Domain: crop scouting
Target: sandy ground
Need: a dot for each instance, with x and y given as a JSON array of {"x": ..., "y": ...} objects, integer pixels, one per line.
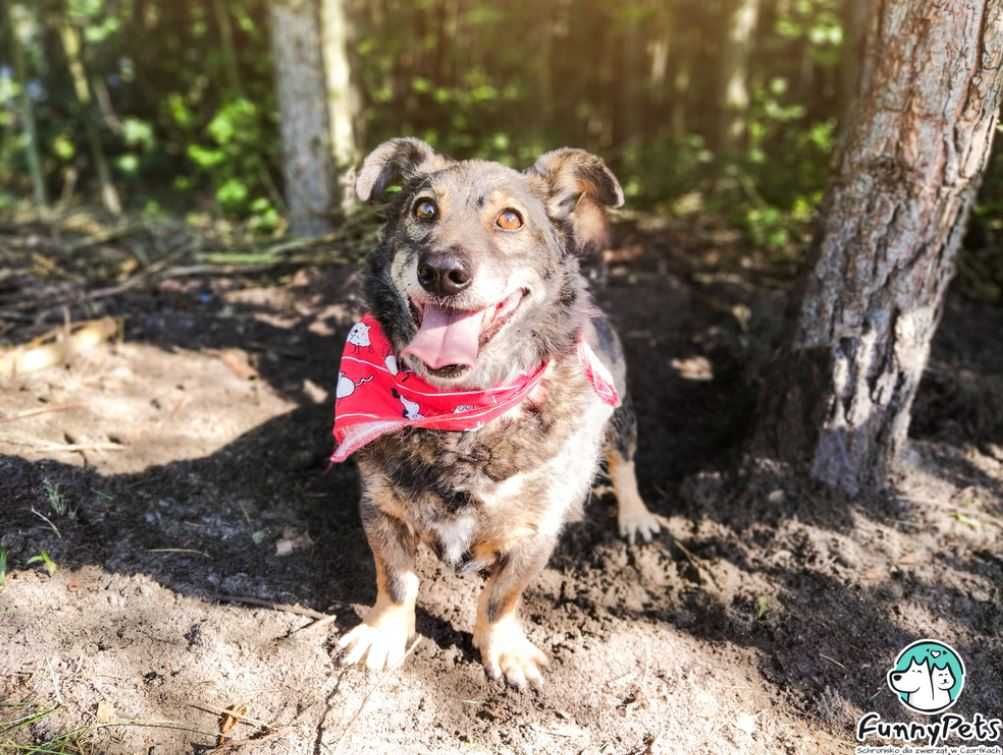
[{"x": 174, "y": 475}]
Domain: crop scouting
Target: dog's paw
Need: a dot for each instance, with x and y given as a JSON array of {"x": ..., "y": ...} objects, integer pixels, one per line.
[
  {"x": 637, "y": 521},
  {"x": 507, "y": 653},
  {"x": 382, "y": 640}
]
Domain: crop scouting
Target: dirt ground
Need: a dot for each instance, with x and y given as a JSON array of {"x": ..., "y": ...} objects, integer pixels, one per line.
[{"x": 180, "y": 475}]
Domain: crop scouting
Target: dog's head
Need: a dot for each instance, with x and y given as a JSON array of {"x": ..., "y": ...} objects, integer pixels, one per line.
[
  {"x": 477, "y": 274},
  {"x": 911, "y": 679}
]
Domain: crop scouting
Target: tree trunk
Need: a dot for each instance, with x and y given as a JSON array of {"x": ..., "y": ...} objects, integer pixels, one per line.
[
  {"x": 73, "y": 48},
  {"x": 18, "y": 19},
  {"x": 735, "y": 55},
  {"x": 342, "y": 97},
  {"x": 307, "y": 162},
  {"x": 229, "y": 47},
  {"x": 839, "y": 397}
]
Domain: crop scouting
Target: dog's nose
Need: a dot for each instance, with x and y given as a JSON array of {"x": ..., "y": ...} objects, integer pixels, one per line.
[
  {"x": 444, "y": 273},
  {"x": 896, "y": 677}
]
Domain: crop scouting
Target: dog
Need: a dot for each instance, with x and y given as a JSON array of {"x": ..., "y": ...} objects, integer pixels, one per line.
[{"x": 477, "y": 284}]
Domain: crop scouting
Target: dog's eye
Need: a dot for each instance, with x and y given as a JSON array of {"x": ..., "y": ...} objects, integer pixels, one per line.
[
  {"x": 509, "y": 220},
  {"x": 426, "y": 210}
]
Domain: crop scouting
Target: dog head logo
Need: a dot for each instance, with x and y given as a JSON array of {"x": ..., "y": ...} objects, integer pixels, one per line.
[
  {"x": 927, "y": 677},
  {"x": 358, "y": 336}
]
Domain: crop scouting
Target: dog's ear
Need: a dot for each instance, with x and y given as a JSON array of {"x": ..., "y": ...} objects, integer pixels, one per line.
[
  {"x": 402, "y": 158},
  {"x": 578, "y": 188}
]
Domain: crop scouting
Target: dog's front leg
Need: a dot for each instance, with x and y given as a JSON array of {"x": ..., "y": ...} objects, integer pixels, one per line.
[
  {"x": 382, "y": 639},
  {"x": 498, "y": 634}
]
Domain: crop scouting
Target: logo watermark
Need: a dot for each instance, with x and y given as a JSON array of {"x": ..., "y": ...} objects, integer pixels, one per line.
[{"x": 928, "y": 677}]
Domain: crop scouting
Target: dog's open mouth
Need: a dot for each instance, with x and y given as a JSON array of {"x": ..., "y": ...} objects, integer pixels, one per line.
[{"x": 449, "y": 340}]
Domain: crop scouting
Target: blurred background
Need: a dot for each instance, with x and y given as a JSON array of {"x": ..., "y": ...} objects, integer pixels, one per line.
[{"x": 728, "y": 110}]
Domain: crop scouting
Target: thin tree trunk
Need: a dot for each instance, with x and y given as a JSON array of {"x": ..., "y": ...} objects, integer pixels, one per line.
[
  {"x": 229, "y": 48},
  {"x": 342, "y": 97},
  {"x": 17, "y": 19},
  {"x": 306, "y": 143},
  {"x": 81, "y": 85},
  {"x": 735, "y": 57},
  {"x": 840, "y": 395},
  {"x": 681, "y": 91}
]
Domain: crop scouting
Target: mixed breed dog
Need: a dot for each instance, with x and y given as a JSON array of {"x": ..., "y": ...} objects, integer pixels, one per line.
[{"x": 483, "y": 388}]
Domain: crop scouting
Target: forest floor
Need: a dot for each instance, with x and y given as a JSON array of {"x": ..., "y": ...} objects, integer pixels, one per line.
[{"x": 177, "y": 480}]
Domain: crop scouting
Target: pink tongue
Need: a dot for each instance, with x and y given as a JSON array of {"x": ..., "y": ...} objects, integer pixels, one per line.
[{"x": 446, "y": 336}]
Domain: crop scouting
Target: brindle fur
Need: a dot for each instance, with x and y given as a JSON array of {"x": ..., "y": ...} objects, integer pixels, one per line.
[{"x": 494, "y": 499}]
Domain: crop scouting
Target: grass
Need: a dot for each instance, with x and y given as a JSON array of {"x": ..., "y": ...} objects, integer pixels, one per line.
[
  {"x": 46, "y": 561},
  {"x": 70, "y": 743},
  {"x": 55, "y": 498},
  {"x": 3, "y": 567}
]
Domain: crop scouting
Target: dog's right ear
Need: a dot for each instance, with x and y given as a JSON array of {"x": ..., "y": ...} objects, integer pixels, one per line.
[{"x": 402, "y": 158}]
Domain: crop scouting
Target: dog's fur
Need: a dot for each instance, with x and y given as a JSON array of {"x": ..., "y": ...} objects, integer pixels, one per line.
[{"x": 492, "y": 500}]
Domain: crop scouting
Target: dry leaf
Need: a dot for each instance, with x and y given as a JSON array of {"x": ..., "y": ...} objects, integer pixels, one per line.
[
  {"x": 230, "y": 718},
  {"x": 105, "y": 712}
]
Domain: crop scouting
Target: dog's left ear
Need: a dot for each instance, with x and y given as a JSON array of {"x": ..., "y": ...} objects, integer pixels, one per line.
[{"x": 578, "y": 188}]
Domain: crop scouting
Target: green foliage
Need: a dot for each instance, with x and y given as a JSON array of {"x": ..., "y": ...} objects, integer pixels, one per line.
[{"x": 188, "y": 121}]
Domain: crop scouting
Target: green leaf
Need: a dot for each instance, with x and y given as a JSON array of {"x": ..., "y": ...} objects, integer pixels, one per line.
[
  {"x": 128, "y": 163},
  {"x": 232, "y": 194},
  {"x": 205, "y": 158},
  {"x": 63, "y": 148},
  {"x": 136, "y": 132}
]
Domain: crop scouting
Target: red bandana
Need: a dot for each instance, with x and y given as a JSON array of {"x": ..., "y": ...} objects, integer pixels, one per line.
[{"x": 375, "y": 398}]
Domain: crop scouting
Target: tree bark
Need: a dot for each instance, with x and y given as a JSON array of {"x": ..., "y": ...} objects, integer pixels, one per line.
[
  {"x": 342, "y": 98},
  {"x": 838, "y": 398},
  {"x": 307, "y": 160}
]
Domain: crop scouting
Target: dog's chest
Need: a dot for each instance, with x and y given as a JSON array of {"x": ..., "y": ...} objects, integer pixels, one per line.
[{"x": 516, "y": 475}]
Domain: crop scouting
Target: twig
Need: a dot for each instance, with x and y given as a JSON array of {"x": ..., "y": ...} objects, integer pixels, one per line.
[
  {"x": 690, "y": 556},
  {"x": 190, "y": 551},
  {"x": 55, "y": 682},
  {"x": 48, "y": 521},
  {"x": 379, "y": 683},
  {"x": 234, "y": 744},
  {"x": 833, "y": 660},
  {"x": 246, "y": 720},
  {"x": 44, "y": 410},
  {"x": 64, "y": 447},
  {"x": 320, "y": 623},
  {"x": 158, "y": 725},
  {"x": 285, "y": 607}
]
